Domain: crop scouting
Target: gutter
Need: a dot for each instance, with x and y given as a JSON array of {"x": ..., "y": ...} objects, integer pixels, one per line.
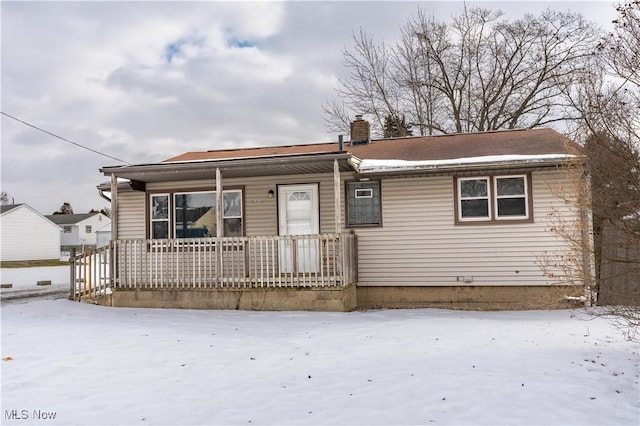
[
  {"x": 101, "y": 194},
  {"x": 441, "y": 168},
  {"x": 222, "y": 164}
]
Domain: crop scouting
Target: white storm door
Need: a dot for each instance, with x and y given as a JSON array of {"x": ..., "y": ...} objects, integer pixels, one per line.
[{"x": 299, "y": 214}]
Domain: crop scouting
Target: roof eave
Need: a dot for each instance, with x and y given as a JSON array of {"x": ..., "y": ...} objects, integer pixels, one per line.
[
  {"x": 470, "y": 167},
  {"x": 174, "y": 170}
]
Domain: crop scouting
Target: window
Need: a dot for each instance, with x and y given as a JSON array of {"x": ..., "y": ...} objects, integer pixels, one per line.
[
  {"x": 511, "y": 197},
  {"x": 159, "y": 216},
  {"x": 87, "y": 229},
  {"x": 474, "y": 198},
  {"x": 67, "y": 229},
  {"x": 497, "y": 198},
  {"x": 193, "y": 214},
  {"x": 363, "y": 207}
]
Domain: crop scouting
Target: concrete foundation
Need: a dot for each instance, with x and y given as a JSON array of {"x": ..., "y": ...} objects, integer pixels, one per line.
[
  {"x": 337, "y": 299},
  {"x": 345, "y": 299},
  {"x": 481, "y": 298}
]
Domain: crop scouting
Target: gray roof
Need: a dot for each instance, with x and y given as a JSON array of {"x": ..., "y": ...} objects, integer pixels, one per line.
[
  {"x": 69, "y": 219},
  {"x": 8, "y": 207}
]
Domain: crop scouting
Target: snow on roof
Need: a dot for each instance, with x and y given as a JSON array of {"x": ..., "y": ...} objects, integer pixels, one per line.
[{"x": 371, "y": 166}]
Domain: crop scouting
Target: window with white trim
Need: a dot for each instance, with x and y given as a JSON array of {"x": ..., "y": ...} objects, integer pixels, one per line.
[
  {"x": 496, "y": 198},
  {"x": 511, "y": 197},
  {"x": 363, "y": 203},
  {"x": 473, "y": 198},
  {"x": 193, "y": 214}
]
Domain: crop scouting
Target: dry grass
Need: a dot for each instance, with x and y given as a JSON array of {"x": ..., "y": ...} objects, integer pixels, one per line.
[{"x": 32, "y": 263}]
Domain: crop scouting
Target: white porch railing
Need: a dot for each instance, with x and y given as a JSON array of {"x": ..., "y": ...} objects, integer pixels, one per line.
[
  {"x": 90, "y": 274},
  {"x": 230, "y": 262}
]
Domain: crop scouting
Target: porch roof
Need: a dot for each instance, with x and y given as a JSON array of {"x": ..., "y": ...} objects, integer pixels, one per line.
[{"x": 319, "y": 162}]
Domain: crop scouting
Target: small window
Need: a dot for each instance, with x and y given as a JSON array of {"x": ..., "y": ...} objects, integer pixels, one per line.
[
  {"x": 67, "y": 229},
  {"x": 364, "y": 193},
  {"x": 363, "y": 206},
  {"x": 87, "y": 229}
]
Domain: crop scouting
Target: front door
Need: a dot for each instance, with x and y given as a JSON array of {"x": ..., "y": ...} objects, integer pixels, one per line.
[{"x": 299, "y": 214}]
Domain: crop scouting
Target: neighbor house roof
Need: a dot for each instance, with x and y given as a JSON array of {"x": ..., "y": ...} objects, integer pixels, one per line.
[
  {"x": 11, "y": 207},
  {"x": 69, "y": 219},
  {"x": 497, "y": 149},
  {"x": 8, "y": 207}
]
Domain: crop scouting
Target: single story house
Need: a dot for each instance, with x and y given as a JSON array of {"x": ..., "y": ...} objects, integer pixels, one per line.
[
  {"x": 27, "y": 235},
  {"x": 456, "y": 221},
  {"x": 79, "y": 230}
]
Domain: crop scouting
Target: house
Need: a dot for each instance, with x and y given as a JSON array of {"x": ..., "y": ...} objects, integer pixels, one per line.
[
  {"x": 79, "y": 230},
  {"x": 25, "y": 234},
  {"x": 457, "y": 221},
  {"x": 103, "y": 236}
]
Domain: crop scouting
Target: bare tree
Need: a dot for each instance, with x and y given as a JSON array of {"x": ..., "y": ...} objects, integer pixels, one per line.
[
  {"x": 64, "y": 209},
  {"x": 608, "y": 102},
  {"x": 478, "y": 72},
  {"x": 5, "y": 198}
]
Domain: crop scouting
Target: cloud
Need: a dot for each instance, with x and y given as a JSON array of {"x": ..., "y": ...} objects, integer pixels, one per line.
[{"x": 145, "y": 81}]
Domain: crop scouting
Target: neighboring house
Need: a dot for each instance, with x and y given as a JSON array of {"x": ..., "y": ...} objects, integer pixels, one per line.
[
  {"x": 103, "y": 236},
  {"x": 79, "y": 230},
  {"x": 27, "y": 235},
  {"x": 461, "y": 221}
]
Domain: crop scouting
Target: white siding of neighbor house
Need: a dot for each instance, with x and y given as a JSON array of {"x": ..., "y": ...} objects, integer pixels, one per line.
[
  {"x": 79, "y": 235},
  {"x": 27, "y": 235},
  {"x": 418, "y": 244}
]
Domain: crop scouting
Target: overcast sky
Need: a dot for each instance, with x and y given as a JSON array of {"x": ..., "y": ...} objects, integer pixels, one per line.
[{"x": 145, "y": 81}]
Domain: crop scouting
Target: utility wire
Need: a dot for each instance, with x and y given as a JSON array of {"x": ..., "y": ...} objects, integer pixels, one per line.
[{"x": 64, "y": 139}]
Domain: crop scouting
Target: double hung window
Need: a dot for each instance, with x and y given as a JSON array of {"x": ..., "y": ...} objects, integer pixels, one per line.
[{"x": 496, "y": 198}]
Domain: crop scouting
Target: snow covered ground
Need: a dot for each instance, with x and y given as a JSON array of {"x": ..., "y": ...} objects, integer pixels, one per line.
[
  {"x": 76, "y": 363},
  {"x": 25, "y": 282}
]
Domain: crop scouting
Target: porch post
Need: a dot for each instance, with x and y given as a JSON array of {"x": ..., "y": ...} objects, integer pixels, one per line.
[
  {"x": 114, "y": 207},
  {"x": 339, "y": 253},
  {"x": 337, "y": 199},
  {"x": 113, "y": 268},
  {"x": 219, "y": 205},
  {"x": 219, "y": 225}
]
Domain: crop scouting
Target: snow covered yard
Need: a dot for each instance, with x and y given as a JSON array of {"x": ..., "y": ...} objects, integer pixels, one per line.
[
  {"x": 83, "y": 364},
  {"x": 24, "y": 281}
]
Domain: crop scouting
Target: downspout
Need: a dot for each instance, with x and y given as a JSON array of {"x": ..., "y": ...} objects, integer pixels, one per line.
[{"x": 101, "y": 194}]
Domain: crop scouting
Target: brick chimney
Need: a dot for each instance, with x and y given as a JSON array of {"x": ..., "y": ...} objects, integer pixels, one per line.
[{"x": 360, "y": 131}]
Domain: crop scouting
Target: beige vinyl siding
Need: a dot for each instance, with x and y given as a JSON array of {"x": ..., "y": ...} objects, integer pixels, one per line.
[
  {"x": 131, "y": 215},
  {"x": 420, "y": 244},
  {"x": 260, "y": 211}
]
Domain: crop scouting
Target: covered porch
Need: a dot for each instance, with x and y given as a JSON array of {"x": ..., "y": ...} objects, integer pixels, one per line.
[{"x": 179, "y": 271}]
